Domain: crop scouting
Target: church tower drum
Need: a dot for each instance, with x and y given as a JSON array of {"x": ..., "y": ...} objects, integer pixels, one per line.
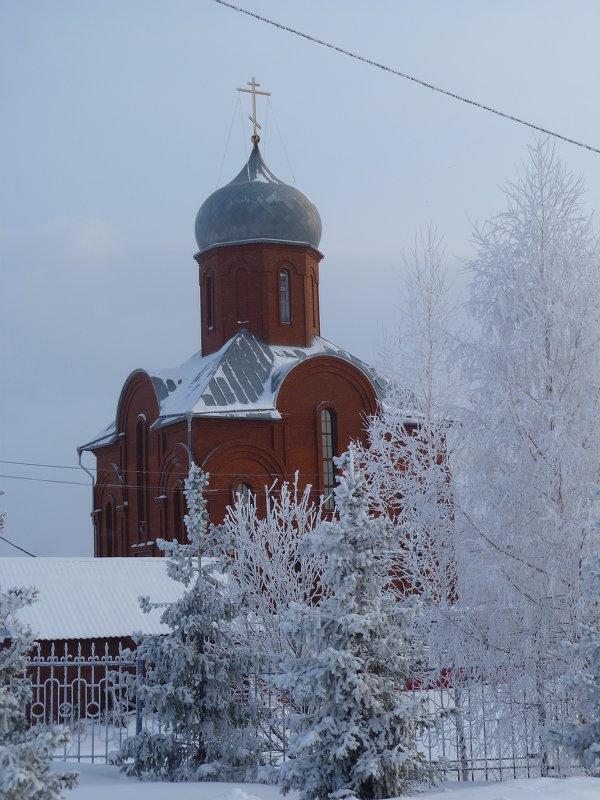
[{"x": 258, "y": 260}]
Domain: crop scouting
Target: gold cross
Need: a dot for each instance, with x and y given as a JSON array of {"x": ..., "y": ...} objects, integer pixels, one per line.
[{"x": 253, "y": 91}]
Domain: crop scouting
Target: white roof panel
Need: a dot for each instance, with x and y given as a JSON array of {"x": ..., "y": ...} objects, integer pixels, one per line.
[{"x": 80, "y": 598}]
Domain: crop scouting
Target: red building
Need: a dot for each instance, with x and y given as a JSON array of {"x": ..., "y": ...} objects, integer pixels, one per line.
[{"x": 265, "y": 397}]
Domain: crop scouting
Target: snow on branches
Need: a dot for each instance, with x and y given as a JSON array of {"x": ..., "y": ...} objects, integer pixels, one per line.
[
  {"x": 530, "y": 440},
  {"x": 272, "y": 568},
  {"x": 25, "y": 752},
  {"x": 582, "y": 738},
  {"x": 195, "y": 675},
  {"x": 353, "y": 730}
]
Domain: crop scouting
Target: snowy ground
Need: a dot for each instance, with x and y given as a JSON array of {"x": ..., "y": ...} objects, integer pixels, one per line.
[{"x": 99, "y": 782}]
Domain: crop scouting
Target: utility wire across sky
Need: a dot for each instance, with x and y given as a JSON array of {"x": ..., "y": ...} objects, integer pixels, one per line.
[{"x": 407, "y": 77}]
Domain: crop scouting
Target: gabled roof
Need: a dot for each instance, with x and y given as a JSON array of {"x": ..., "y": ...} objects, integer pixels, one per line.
[
  {"x": 84, "y": 598},
  {"x": 240, "y": 380}
]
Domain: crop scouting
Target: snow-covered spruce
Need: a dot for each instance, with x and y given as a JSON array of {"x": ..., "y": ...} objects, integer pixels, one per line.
[
  {"x": 25, "y": 752},
  {"x": 582, "y": 739},
  {"x": 271, "y": 568},
  {"x": 353, "y": 732},
  {"x": 194, "y": 676},
  {"x": 526, "y": 488}
]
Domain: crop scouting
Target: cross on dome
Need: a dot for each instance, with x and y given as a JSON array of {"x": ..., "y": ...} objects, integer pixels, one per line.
[{"x": 254, "y": 91}]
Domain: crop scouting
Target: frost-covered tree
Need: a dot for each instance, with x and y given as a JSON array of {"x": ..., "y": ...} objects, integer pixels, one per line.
[
  {"x": 353, "y": 733},
  {"x": 271, "y": 567},
  {"x": 194, "y": 676},
  {"x": 582, "y": 738},
  {"x": 416, "y": 354},
  {"x": 25, "y": 752},
  {"x": 407, "y": 466},
  {"x": 409, "y": 439},
  {"x": 531, "y": 438}
]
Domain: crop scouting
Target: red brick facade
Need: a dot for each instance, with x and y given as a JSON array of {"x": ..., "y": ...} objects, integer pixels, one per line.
[
  {"x": 263, "y": 296},
  {"x": 134, "y": 506},
  {"x": 242, "y": 283}
]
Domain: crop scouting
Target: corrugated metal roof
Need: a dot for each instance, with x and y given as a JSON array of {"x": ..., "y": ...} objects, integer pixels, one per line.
[
  {"x": 81, "y": 598},
  {"x": 241, "y": 379}
]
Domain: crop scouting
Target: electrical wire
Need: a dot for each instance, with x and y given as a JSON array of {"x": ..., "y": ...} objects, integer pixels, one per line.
[
  {"x": 45, "y": 480},
  {"x": 135, "y": 486},
  {"x": 34, "y": 464},
  {"x": 408, "y": 77},
  {"x": 12, "y": 544}
]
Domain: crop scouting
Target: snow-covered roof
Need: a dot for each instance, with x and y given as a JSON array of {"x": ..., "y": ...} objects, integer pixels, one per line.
[
  {"x": 241, "y": 379},
  {"x": 80, "y": 598}
]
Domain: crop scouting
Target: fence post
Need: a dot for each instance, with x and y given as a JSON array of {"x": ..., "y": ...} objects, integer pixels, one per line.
[{"x": 138, "y": 698}]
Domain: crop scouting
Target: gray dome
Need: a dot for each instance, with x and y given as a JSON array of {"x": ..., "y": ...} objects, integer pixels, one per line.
[{"x": 257, "y": 206}]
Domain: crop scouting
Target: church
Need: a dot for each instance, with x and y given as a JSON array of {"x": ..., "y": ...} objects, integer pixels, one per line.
[{"x": 265, "y": 397}]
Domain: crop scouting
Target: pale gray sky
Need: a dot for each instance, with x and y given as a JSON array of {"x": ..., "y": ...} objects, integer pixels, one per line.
[{"x": 115, "y": 120}]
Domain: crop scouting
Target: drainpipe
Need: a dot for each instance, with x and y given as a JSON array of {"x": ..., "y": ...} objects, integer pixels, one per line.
[
  {"x": 94, "y": 523},
  {"x": 190, "y": 454}
]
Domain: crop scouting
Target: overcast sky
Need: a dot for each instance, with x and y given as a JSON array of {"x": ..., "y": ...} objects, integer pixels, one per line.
[{"x": 115, "y": 126}]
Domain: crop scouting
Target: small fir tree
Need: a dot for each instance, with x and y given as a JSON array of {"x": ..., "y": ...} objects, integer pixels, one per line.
[
  {"x": 353, "y": 731},
  {"x": 25, "y": 752},
  {"x": 582, "y": 738},
  {"x": 195, "y": 675}
]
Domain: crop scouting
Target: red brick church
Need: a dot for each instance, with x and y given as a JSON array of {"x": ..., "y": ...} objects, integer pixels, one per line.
[{"x": 265, "y": 397}]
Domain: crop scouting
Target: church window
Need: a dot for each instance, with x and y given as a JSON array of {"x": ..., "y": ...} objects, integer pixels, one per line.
[
  {"x": 140, "y": 460},
  {"x": 241, "y": 285},
  {"x": 179, "y": 532},
  {"x": 284, "y": 296},
  {"x": 328, "y": 451},
  {"x": 210, "y": 303},
  {"x": 109, "y": 529},
  {"x": 244, "y": 492}
]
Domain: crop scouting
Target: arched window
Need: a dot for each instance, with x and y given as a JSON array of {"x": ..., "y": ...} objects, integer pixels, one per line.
[
  {"x": 284, "y": 296},
  {"x": 244, "y": 491},
  {"x": 241, "y": 293},
  {"x": 140, "y": 477},
  {"x": 109, "y": 529},
  {"x": 179, "y": 531},
  {"x": 210, "y": 303},
  {"x": 328, "y": 451}
]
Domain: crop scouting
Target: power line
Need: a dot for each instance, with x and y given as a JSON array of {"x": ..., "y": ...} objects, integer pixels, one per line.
[
  {"x": 135, "y": 486},
  {"x": 12, "y": 544},
  {"x": 406, "y": 76},
  {"x": 45, "y": 480},
  {"x": 34, "y": 464}
]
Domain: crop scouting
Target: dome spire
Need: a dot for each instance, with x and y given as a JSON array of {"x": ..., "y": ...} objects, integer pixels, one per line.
[{"x": 255, "y": 138}]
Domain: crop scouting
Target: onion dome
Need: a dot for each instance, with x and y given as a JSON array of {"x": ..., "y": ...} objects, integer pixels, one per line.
[{"x": 256, "y": 206}]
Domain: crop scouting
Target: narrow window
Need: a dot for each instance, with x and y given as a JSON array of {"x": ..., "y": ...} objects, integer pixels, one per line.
[
  {"x": 284, "y": 296},
  {"x": 109, "y": 529},
  {"x": 178, "y": 514},
  {"x": 210, "y": 303},
  {"x": 244, "y": 492},
  {"x": 241, "y": 283},
  {"x": 140, "y": 458},
  {"x": 328, "y": 452}
]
